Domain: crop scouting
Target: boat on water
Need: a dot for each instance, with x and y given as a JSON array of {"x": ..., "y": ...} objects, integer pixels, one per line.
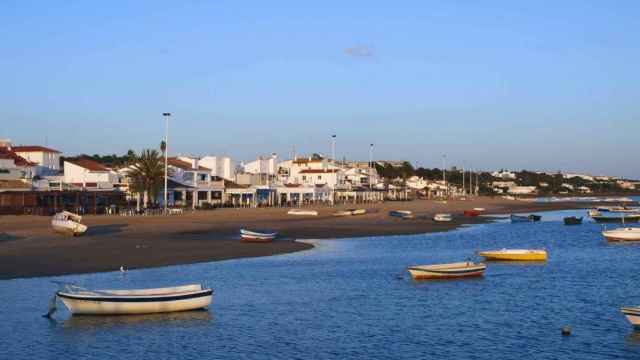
[
  {"x": 479, "y": 209},
  {"x": 594, "y": 212},
  {"x": 522, "y": 218},
  {"x": 617, "y": 219},
  {"x": 257, "y": 235},
  {"x": 301, "y": 212},
  {"x": 471, "y": 213},
  {"x": 447, "y": 271},
  {"x": 632, "y": 314},
  {"x": 81, "y": 301},
  {"x": 622, "y": 234},
  {"x": 572, "y": 220},
  {"x": 404, "y": 214},
  {"x": 68, "y": 223},
  {"x": 514, "y": 255},
  {"x": 533, "y": 217},
  {"x": 442, "y": 217}
]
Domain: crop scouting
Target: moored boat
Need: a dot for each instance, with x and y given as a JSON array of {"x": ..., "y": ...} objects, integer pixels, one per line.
[
  {"x": 572, "y": 220},
  {"x": 302, "y": 212},
  {"x": 617, "y": 219},
  {"x": 514, "y": 255},
  {"x": 350, "y": 212},
  {"x": 358, "y": 211},
  {"x": 622, "y": 234},
  {"x": 533, "y": 217},
  {"x": 442, "y": 217},
  {"x": 632, "y": 314},
  {"x": 81, "y": 301},
  {"x": 257, "y": 235},
  {"x": 594, "y": 212},
  {"x": 68, "y": 223},
  {"x": 447, "y": 271},
  {"x": 342, "y": 213},
  {"x": 479, "y": 209},
  {"x": 518, "y": 218}
]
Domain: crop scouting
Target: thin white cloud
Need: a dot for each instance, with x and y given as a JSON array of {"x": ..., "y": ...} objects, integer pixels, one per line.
[{"x": 359, "y": 50}]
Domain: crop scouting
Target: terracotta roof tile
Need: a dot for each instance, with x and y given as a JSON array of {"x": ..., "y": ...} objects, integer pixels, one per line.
[
  {"x": 184, "y": 165},
  {"x": 33, "y": 148},
  {"x": 89, "y": 165},
  {"x": 318, "y": 171}
]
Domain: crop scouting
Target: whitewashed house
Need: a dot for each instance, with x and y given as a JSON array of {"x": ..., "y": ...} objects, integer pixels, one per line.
[
  {"x": 504, "y": 174},
  {"x": 311, "y": 171},
  {"x": 47, "y": 160},
  {"x": 192, "y": 184},
  {"x": 89, "y": 175},
  {"x": 262, "y": 165},
  {"x": 220, "y": 166}
]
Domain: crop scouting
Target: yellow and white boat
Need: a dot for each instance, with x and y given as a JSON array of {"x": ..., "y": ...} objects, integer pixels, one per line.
[{"x": 514, "y": 255}]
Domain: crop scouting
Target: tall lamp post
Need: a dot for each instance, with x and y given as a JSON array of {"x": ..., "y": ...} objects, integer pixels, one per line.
[
  {"x": 444, "y": 174},
  {"x": 370, "y": 166},
  {"x": 333, "y": 149},
  {"x": 166, "y": 152}
]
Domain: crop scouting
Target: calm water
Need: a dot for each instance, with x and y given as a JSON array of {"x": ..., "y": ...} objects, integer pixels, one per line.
[{"x": 344, "y": 300}]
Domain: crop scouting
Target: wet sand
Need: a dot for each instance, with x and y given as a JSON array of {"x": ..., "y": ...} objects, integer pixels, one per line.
[{"x": 29, "y": 248}]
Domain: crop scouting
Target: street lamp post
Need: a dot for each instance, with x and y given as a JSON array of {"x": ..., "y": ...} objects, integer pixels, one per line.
[
  {"x": 166, "y": 152},
  {"x": 444, "y": 174},
  {"x": 333, "y": 149},
  {"x": 370, "y": 166}
]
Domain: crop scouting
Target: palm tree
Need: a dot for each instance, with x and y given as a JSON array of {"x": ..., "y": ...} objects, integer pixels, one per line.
[{"x": 147, "y": 175}]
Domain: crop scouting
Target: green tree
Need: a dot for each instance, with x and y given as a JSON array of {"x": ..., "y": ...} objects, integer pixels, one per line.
[{"x": 147, "y": 175}]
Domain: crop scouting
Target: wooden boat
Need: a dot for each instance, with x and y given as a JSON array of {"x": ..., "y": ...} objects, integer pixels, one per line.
[
  {"x": 404, "y": 214},
  {"x": 479, "y": 209},
  {"x": 358, "y": 211},
  {"x": 572, "y": 220},
  {"x": 617, "y": 219},
  {"x": 68, "y": 223},
  {"x": 471, "y": 213},
  {"x": 350, "y": 212},
  {"x": 257, "y": 235},
  {"x": 514, "y": 255},
  {"x": 632, "y": 314},
  {"x": 447, "y": 271},
  {"x": 81, "y": 301},
  {"x": 594, "y": 212},
  {"x": 622, "y": 234},
  {"x": 442, "y": 217},
  {"x": 301, "y": 212}
]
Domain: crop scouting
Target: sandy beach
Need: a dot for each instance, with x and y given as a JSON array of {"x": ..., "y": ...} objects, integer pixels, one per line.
[{"x": 29, "y": 248}]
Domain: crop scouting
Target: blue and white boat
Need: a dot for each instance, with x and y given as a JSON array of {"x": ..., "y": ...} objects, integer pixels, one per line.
[{"x": 257, "y": 235}]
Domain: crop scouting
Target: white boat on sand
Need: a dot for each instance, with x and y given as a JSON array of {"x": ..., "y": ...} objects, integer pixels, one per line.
[
  {"x": 442, "y": 217},
  {"x": 82, "y": 301},
  {"x": 257, "y": 235},
  {"x": 622, "y": 234},
  {"x": 301, "y": 212},
  {"x": 68, "y": 223}
]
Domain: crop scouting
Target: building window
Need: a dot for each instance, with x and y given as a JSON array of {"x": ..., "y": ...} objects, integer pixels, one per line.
[
  {"x": 304, "y": 177},
  {"x": 319, "y": 177}
]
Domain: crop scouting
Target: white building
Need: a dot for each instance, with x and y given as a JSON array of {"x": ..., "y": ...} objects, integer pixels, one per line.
[
  {"x": 221, "y": 166},
  {"x": 311, "y": 171},
  {"x": 262, "y": 165},
  {"x": 522, "y": 190},
  {"x": 416, "y": 183},
  {"x": 504, "y": 174},
  {"x": 47, "y": 160},
  {"x": 89, "y": 175},
  {"x": 581, "y": 176}
]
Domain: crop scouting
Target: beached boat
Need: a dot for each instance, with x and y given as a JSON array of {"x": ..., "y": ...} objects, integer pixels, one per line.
[
  {"x": 82, "y": 301},
  {"x": 622, "y": 234},
  {"x": 358, "y": 211},
  {"x": 447, "y": 271},
  {"x": 442, "y": 217},
  {"x": 350, "y": 212},
  {"x": 68, "y": 223},
  {"x": 471, "y": 213},
  {"x": 479, "y": 209},
  {"x": 632, "y": 314},
  {"x": 302, "y": 212},
  {"x": 514, "y": 255},
  {"x": 257, "y": 235},
  {"x": 404, "y": 214},
  {"x": 533, "y": 217},
  {"x": 572, "y": 220},
  {"x": 617, "y": 219}
]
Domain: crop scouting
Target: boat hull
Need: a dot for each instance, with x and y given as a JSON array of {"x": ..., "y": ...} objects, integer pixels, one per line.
[
  {"x": 439, "y": 272},
  {"x": 620, "y": 235},
  {"x": 507, "y": 256},
  {"x": 572, "y": 220},
  {"x": 471, "y": 213},
  {"x": 112, "y": 305},
  {"x": 303, "y": 212},
  {"x": 616, "y": 219},
  {"x": 632, "y": 315},
  {"x": 255, "y": 236}
]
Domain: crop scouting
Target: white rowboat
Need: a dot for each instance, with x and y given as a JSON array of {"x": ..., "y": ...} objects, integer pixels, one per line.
[
  {"x": 302, "y": 212},
  {"x": 447, "y": 271},
  {"x": 68, "y": 223},
  {"x": 442, "y": 217},
  {"x": 144, "y": 301},
  {"x": 257, "y": 236}
]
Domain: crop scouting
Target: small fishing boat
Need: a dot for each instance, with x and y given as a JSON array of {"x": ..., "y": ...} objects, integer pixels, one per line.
[
  {"x": 534, "y": 217},
  {"x": 572, "y": 220},
  {"x": 350, "y": 212},
  {"x": 257, "y": 235},
  {"x": 301, "y": 212},
  {"x": 479, "y": 209},
  {"x": 622, "y": 234},
  {"x": 358, "y": 211},
  {"x": 342, "y": 213},
  {"x": 68, "y": 223},
  {"x": 471, "y": 213},
  {"x": 632, "y": 314},
  {"x": 447, "y": 271},
  {"x": 514, "y": 255},
  {"x": 519, "y": 218},
  {"x": 594, "y": 212},
  {"x": 617, "y": 219},
  {"x": 81, "y": 301},
  {"x": 404, "y": 214},
  {"x": 442, "y": 217}
]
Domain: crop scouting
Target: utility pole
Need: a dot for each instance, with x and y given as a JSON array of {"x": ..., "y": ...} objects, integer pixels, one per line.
[
  {"x": 370, "y": 166},
  {"x": 333, "y": 149},
  {"x": 444, "y": 174},
  {"x": 166, "y": 154},
  {"x": 464, "y": 189}
]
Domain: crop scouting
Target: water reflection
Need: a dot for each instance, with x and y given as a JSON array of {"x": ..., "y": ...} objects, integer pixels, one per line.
[{"x": 182, "y": 319}]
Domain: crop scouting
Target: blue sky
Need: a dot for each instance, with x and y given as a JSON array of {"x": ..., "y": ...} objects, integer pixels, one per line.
[{"x": 538, "y": 85}]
